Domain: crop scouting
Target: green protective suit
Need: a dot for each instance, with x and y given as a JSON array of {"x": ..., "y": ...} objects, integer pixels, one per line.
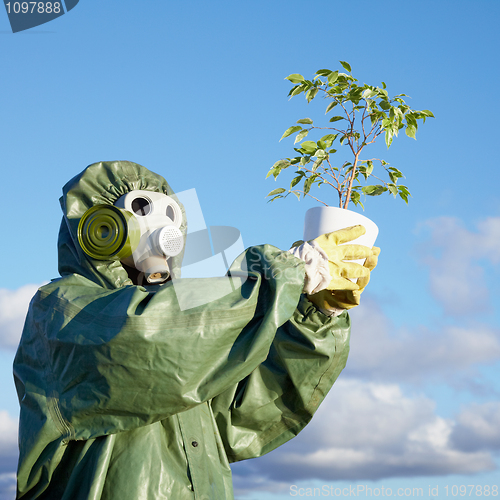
[{"x": 125, "y": 396}]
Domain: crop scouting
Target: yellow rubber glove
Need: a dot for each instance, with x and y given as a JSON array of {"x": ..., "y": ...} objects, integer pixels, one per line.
[
  {"x": 334, "y": 301},
  {"x": 342, "y": 272}
]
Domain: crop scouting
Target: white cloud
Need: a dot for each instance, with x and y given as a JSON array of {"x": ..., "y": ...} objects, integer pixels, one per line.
[
  {"x": 456, "y": 257},
  {"x": 367, "y": 431},
  {"x": 8, "y": 486},
  {"x": 13, "y": 308},
  {"x": 379, "y": 351},
  {"x": 8, "y": 454},
  {"x": 478, "y": 427}
]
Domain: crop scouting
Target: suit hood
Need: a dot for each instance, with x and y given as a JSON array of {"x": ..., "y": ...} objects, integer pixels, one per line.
[{"x": 104, "y": 183}]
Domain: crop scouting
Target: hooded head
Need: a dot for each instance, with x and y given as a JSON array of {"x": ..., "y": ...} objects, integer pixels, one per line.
[{"x": 104, "y": 183}]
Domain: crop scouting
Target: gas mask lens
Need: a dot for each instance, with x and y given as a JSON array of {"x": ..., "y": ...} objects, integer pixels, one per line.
[{"x": 141, "y": 206}]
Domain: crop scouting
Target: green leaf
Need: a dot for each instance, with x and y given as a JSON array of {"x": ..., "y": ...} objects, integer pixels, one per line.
[
  {"x": 331, "y": 106},
  {"x": 336, "y": 118},
  {"x": 291, "y": 130},
  {"x": 275, "y": 198},
  {"x": 308, "y": 183},
  {"x": 426, "y": 112},
  {"x": 295, "y": 78},
  {"x": 411, "y": 120},
  {"x": 389, "y": 134},
  {"x": 368, "y": 189},
  {"x": 321, "y": 144},
  {"x": 328, "y": 139},
  {"x": 333, "y": 77},
  {"x": 324, "y": 72},
  {"x": 393, "y": 189},
  {"x": 355, "y": 94},
  {"x": 395, "y": 170},
  {"x": 362, "y": 171},
  {"x": 301, "y": 135},
  {"x": 369, "y": 167},
  {"x": 411, "y": 131},
  {"x": 306, "y": 121},
  {"x": 276, "y": 191},
  {"x": 311, "y": 94},
  {"x": 383, "y": 94},
  {"x": 373, "y": 190},
  {"x": 356, "y": 199},
  {"x": 316, "y": 164},
  {"x": 394, "y": 176},
  {"x": 297, "y": 90},
  {"x": 277, "y": 167},
  {"x": 309, "y": 146},
  {"x": 384, "y": 85},
  {"x": 295, "y": 181},
  {"x": 346, "y": 66},
  {"x": 385, "y": 105},
  {"x": 404, "y": 193},
  {"x": 368, "y": 93},
  {"x": 281, "y": 164}
]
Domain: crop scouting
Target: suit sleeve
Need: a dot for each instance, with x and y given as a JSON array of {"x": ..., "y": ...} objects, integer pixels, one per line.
[
  {"x": 104, "y": 361},
  {"x": 275, "y": 402}
]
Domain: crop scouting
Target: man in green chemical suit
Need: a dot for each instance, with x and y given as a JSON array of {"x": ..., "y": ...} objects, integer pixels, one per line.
[{"x": 127, "y": 394}]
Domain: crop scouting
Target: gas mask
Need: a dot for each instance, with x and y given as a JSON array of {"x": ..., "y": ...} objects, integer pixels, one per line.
[{"x": 141, "y": 230}]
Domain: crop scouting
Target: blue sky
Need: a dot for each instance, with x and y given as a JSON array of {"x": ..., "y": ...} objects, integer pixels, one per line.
[{"x": 195, "y": 91}]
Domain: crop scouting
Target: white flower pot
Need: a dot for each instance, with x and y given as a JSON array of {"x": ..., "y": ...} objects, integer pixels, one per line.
[{"x": 321, "y": 220}]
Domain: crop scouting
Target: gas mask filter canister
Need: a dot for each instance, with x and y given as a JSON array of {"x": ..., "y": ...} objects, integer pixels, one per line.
[{"x": 141, "y": 230}]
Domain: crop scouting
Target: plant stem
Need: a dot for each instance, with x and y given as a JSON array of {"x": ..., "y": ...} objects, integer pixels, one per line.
[
  {"x": 307, "y": 194},
  {"x": 351, "y": 179},
  {"x": 319, "y": 176}
]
